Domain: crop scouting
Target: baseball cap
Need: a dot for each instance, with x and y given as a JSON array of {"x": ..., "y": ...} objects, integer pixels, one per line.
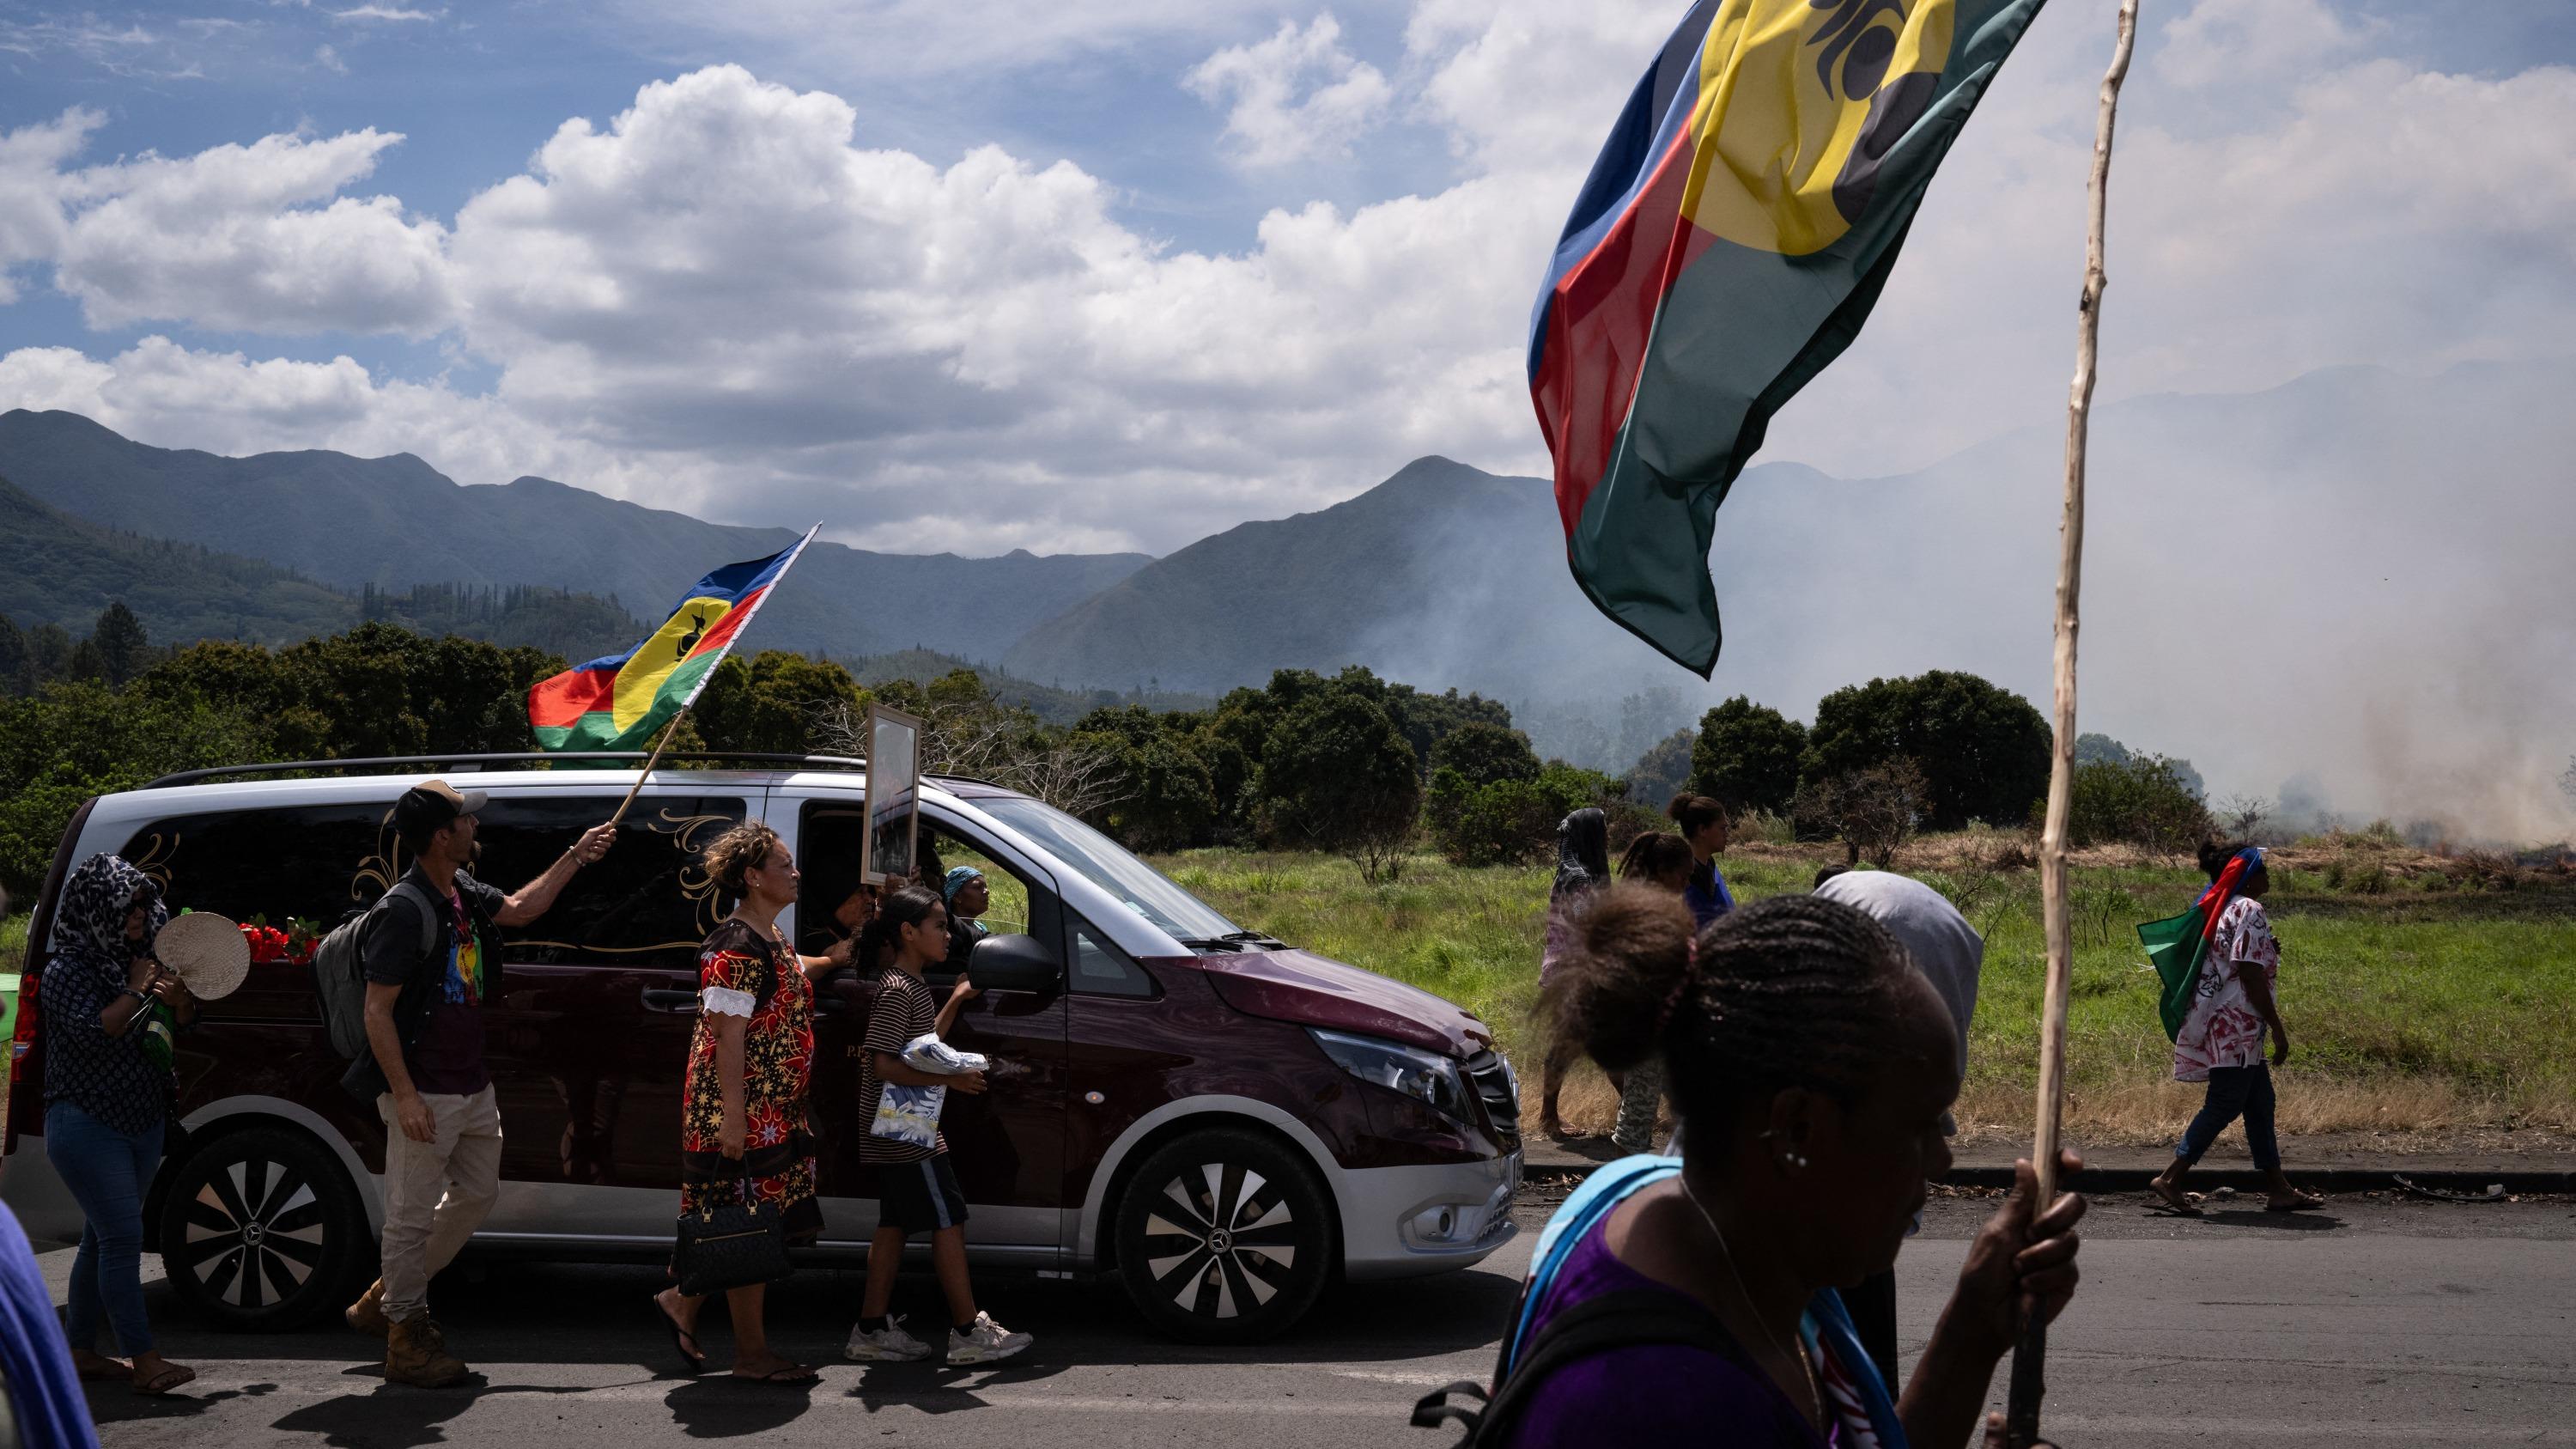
[{"x": 426, "y": 808}]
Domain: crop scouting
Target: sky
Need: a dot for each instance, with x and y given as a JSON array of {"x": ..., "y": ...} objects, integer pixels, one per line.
[{"x": 1117, "y": 274}]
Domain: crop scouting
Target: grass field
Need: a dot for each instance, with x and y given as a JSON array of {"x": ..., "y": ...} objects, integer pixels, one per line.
[{"x": 2413, "y": 1007}]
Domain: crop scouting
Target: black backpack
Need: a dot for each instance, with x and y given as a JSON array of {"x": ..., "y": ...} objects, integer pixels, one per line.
[{"x": 1623, "y": 1319}]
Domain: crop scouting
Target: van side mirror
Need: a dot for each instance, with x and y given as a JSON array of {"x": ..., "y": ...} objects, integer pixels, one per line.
[{"x": 1013, "y": 963}]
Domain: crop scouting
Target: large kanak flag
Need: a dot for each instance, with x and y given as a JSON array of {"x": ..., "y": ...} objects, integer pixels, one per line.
[
  {"x": 620, "y": 701},
  {"x": 1735, "y": 232}
]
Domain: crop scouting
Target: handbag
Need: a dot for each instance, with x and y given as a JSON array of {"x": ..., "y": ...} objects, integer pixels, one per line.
[{"x": 731, "y": 1246}]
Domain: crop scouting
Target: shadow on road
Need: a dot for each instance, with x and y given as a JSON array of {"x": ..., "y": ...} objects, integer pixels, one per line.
[{"x": 2307, "y": 1222}]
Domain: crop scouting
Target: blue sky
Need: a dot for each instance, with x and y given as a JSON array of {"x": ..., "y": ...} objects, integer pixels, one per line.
[{"x": 1117, "y": 274}]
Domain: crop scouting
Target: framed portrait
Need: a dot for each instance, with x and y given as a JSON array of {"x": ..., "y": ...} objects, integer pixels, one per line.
[{"x": 889, "y": 849}]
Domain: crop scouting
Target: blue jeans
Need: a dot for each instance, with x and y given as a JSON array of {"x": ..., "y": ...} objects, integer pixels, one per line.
[
  {"x": 2235, "y": 1092},
  {"x": 108, "y": 1172}
]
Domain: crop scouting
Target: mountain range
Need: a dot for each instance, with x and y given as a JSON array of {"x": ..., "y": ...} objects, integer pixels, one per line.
[{"x": 2357, "y": 573}]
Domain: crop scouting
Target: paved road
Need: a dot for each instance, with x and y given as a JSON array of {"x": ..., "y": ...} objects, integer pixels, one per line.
[{"x": 2375, "y": 1324}]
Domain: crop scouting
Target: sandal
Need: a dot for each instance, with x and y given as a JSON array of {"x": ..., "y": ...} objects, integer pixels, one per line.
[
  {"x": 786, "y": 1376},
  {"x": 2302, "y": 1203},
  {"x": 683, "y": 1342},
  {"x": 101, "y": 1369},
  {"x": 173, "y": 1377},
  {"x": 2171, "y": 1200}
]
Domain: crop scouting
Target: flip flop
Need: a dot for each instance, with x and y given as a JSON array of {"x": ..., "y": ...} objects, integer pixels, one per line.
[
  {"x": 2175, "y": 1206},
  {"x": 683, "y": 1342},
  {"x": 160, "y": 1384},
  {"x": 791, "y": 1376},
  {"x": 2302, "y": 1205},
  {"x": 105, "y": 1371}
]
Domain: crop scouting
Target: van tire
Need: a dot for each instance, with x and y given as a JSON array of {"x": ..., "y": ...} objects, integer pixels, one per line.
[
  {"x": 1224, "y": 1236},
  {"x": 262, "y": 1231}
]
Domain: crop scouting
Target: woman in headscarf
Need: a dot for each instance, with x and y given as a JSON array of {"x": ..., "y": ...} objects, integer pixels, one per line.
[
  {"x": 1582, "y": 867},
  {"x": 966, "y": 894},
  {"x": 2230, "y": 1009},
  {"x": 109, "y": 1008}
]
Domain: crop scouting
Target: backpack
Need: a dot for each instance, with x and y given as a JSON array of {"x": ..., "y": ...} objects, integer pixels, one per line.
[
  {"x": 340, "y": 978},
  {"x": 1615, "y": 1320}
]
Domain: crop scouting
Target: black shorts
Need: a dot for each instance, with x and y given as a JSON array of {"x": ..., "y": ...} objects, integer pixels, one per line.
[{"x": 919, "y": 1197}]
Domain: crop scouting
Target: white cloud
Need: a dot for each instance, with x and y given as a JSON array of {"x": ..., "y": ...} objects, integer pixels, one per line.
[
  {"x": 386, "y": 14},
  {"x": 329, "y": 59},
  {"x": 722, "y": 300},
  {"x": 228, "y": 238},
  {"x": 33, "y": 186},
  {"x": 908, "y": 39},
  {"x": 1295, "y": 96},
  {"x": 2222, "y": 42}
]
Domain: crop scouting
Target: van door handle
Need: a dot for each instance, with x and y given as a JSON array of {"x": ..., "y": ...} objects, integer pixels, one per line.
[{"x": 671, "y": 999}]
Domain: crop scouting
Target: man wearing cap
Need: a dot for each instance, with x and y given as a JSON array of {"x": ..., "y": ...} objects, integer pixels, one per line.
[{"x": 426, "y": 1073}]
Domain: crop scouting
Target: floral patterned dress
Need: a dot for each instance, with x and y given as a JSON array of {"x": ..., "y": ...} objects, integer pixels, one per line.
[
  {"x": 741, "y": 973},
  {"x": 2221, "y": 1029}
]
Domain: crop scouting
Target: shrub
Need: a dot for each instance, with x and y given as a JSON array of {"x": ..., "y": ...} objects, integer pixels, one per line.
[
  {"x": 1512, "y": 821},
  {"x": 1337, "y": 775},
  {"x": 2138, "y": 801},
  {"x": 1485, "y": 754},
  {"x": 1873, "y": 811}
]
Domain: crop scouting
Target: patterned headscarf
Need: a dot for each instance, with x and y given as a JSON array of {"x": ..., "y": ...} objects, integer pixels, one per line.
[
  {"x": 89, "y": 920},
  {"x": 955, "y": 881}
]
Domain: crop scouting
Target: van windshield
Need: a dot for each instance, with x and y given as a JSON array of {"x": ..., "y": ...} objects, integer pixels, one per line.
[{"x": 1108, "y": 865}]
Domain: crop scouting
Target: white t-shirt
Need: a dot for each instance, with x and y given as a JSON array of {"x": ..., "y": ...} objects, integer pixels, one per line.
[{"x": 2222, "y": 1029}]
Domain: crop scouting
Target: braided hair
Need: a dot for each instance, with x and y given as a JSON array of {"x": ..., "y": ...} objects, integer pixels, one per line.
[{"x": 1793, "y": 991}]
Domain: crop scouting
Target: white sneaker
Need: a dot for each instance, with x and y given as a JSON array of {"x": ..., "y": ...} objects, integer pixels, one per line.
[
  {"x": 984, "y": 1342},
  {"x": 889, "y": 1344}
]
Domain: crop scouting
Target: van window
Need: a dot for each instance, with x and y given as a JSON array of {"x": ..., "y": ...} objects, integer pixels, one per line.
[
  {"x": 648, "y": 903},
  {"x": 827, "y": 856},
  {"x": 1101, "y": 969}
]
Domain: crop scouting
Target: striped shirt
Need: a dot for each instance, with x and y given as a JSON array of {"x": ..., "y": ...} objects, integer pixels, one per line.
[{"x": 901, "y": 1012}]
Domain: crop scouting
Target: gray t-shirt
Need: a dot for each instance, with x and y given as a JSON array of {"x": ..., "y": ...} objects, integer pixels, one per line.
[{"x": 1941, "y": 943}]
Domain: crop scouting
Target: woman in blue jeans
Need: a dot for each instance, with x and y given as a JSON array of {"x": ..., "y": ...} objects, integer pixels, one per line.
[
  {"x": 107, "y": 1101},
  {"x": 2233, "y": 1008}
]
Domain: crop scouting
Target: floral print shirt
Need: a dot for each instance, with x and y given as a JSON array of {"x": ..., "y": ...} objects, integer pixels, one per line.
[{"x": 2223, "y": 1029}]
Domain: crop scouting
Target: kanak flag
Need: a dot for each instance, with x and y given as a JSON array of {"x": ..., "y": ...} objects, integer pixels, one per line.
[
  {"x": 617, "y": 703},
  {"x": 1735, "y": 232}
]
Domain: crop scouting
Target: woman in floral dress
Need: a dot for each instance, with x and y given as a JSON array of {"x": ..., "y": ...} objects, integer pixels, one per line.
[{"x": 744, "y": 1119}]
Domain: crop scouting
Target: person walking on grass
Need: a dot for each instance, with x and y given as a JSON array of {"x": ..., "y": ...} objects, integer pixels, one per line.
[
  {"x": 745, "y": 1116},
  {"x": 107, "y": 1102},
  {"x": 2232, "y": 1008},
  {"x": 1582, "y": 867},
  {"x": 424, "y": 1069},
  {"x": 916, "y": 1185}
]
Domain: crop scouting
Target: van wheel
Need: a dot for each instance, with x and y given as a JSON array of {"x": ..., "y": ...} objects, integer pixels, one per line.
[
  {"x": 1224, "y": 1237},
  {"x": 262, "y": 1231}
]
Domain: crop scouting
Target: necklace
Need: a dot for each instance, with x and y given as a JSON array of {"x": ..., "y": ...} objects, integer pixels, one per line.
[{"x": 1815, "y": 1391}]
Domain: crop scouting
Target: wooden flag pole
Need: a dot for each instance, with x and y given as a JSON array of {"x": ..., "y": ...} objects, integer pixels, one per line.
[
  {"x": 650, "y": 761},
  {"x": 2021, "y": 1426}
]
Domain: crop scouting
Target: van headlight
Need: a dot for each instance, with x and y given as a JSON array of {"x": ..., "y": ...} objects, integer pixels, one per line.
[{"x": 1425, "y": 1076}]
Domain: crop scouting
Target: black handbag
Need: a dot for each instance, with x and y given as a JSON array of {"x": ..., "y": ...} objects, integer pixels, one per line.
[{"x": 732, "y": 1246}]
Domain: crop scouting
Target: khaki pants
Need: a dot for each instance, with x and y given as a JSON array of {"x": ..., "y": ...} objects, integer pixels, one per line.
[{"x": 436, "y": 1192}]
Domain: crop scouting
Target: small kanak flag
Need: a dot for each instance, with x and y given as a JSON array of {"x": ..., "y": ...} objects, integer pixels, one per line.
[
  {"x": 617, "y": 703},
  {"x": 1734, "y": 233}
]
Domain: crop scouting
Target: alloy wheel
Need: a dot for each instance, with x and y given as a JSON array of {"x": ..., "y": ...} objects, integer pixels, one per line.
[
  {"x": 1221, "y": 1240},
  {"x": 253, "y": 1234}
]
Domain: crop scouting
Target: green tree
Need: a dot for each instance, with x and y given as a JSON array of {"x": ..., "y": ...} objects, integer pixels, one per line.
[
  {"x": 1428, "y": 719},
  {"x": 1664, "y": 770},
  {"x": 1337, "y": 775},
  {"x": 776, "y": 703},
  {"x": 1164, "y": 796},
  {"x": 2140, "y": 801},
  {"x": 123, "y": 649},
  {"x": 1747, "y": 756},
  {"x": 1483, "y": 752},
  {"x": 17, "y": 664},
  {"x": 1983, "y": 751},
  {"x": 1512, "y": 820}
]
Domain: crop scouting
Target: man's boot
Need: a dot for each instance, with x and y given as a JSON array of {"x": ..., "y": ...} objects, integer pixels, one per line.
[
  {"x": 367, "y": 1315},
  {"x": 416, "y": 1354}
]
